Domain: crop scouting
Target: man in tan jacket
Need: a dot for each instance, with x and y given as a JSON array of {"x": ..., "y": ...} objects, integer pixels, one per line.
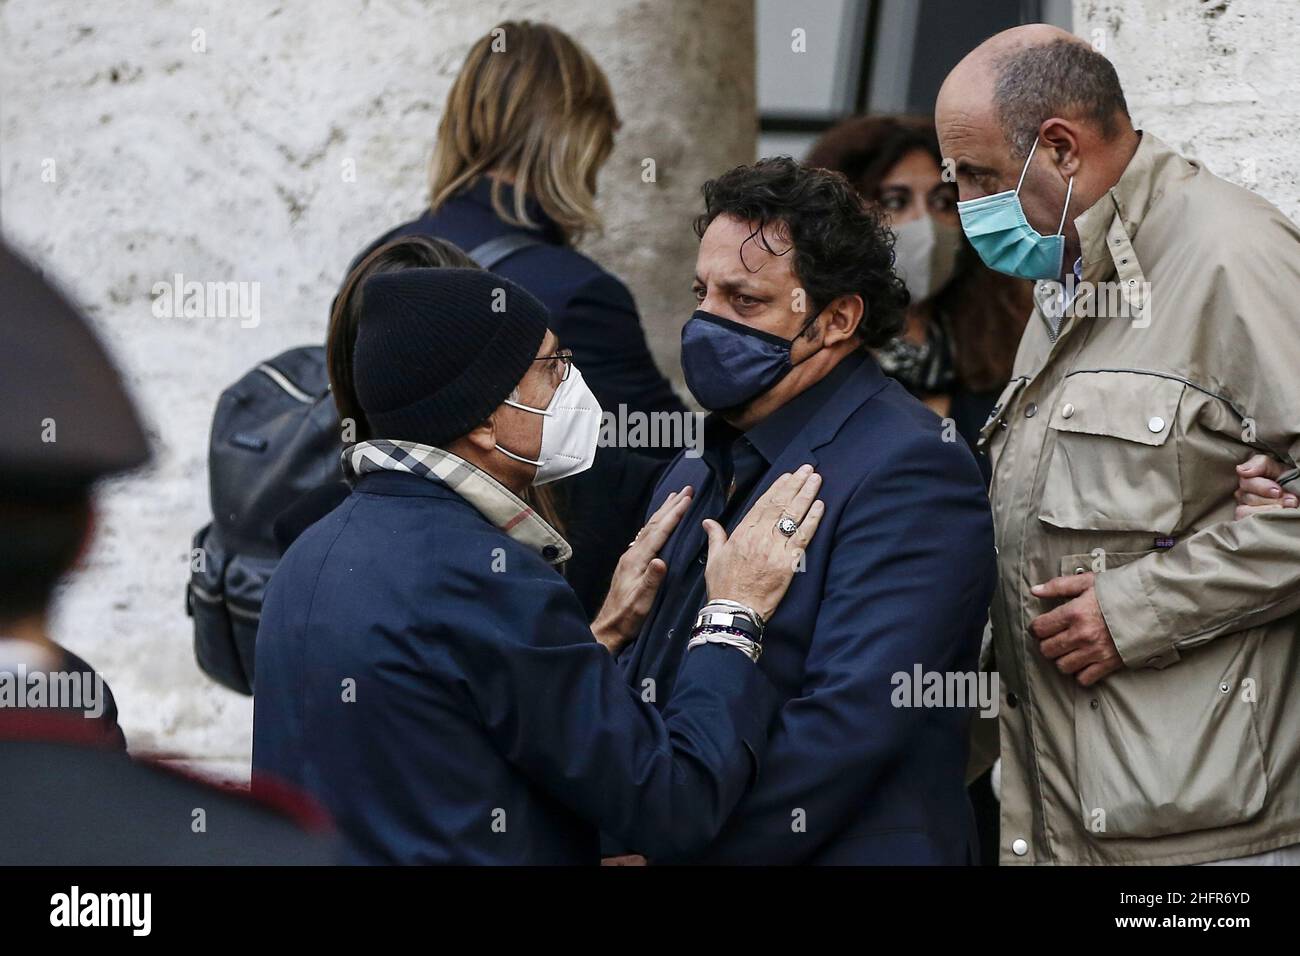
[{"x": 1146, "y": 642}]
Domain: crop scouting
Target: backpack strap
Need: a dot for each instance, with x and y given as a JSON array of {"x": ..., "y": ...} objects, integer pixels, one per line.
[{"x": 495, "y": 251}]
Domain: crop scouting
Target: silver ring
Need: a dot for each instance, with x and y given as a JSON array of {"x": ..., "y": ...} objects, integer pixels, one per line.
[{"x": 787, "y": 526}]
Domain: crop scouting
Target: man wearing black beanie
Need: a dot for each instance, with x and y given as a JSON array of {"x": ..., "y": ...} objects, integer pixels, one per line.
[{"x": 423, "y": 669}]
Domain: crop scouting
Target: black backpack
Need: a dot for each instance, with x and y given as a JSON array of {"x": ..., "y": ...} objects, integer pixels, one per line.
[{"x": 275, "y": 439}]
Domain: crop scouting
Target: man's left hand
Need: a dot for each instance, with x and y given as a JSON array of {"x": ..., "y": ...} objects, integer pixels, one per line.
[{"x": 1075, "y": 634}]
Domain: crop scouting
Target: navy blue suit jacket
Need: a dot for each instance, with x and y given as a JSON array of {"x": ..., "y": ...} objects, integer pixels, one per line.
[
  {"x": 435, "y": 684},
  {"x": 899, "y": 574}
]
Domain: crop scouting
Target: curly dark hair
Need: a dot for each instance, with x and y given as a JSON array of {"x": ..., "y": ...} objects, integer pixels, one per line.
[{"x": 841, "y": 244}]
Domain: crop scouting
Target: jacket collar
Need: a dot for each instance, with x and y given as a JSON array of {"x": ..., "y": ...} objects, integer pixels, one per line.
[
  {"x": 492, "y": 499},
  {"x": 480, "y": 193},
  {"x": 775, "y": 433},
  {"x": 1107, "y": 228},
  {"x": 811, "y": 418}
]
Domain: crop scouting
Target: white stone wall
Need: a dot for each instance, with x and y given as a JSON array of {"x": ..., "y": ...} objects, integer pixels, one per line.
[
  {"x": 228, "y": 164},
  {"x": 1215, "y": 79}
]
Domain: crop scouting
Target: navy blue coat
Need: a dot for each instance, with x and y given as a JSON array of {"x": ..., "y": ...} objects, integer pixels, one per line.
[
  {"x": 899, "y": 574},
  {"x": 488, "y": 726}
]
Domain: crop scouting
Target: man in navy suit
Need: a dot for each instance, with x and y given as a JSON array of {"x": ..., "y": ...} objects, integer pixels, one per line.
[{"x": 795, "y": 284}]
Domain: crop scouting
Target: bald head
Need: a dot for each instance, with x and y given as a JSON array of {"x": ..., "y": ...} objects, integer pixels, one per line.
[
  {"x": 1010, "y": 41},
  {"x": 1036, "y": 84},
  {"x": 1021, "y": 77}
]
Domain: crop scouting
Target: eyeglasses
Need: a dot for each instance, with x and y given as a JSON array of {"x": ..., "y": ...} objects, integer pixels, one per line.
[{"x": 561, "y": 361}]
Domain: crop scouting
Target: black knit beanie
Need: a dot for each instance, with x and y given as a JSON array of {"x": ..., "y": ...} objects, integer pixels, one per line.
[{"x": 433, "y": 359}]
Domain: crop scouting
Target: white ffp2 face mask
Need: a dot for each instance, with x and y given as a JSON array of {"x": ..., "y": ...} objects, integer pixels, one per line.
[
  {"x": 570, "y": 431},
  {"x": 925, "y": 255}
]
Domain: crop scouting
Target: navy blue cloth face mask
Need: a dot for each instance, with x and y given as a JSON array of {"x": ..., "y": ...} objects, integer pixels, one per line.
[{"x": 726, "y": 364}]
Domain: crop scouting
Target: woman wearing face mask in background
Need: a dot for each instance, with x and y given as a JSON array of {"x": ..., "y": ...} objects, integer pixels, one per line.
[{"x": 964, "y": 321}]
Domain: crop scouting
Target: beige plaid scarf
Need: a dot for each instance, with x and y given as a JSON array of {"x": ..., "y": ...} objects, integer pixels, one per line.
[{"x": 492, "y": 499}]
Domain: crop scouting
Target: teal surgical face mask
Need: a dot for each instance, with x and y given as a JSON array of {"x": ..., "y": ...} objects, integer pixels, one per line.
[{"x": 997, "y": 228}]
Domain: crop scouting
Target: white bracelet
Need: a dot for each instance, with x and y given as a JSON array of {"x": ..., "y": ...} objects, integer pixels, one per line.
[{"x": 749, "y": 648}]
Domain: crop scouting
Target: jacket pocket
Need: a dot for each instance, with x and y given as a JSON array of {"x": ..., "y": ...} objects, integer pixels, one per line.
[
  {"x": 1170, "y": 751},
  {"x": 1113, "y": 467}
]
